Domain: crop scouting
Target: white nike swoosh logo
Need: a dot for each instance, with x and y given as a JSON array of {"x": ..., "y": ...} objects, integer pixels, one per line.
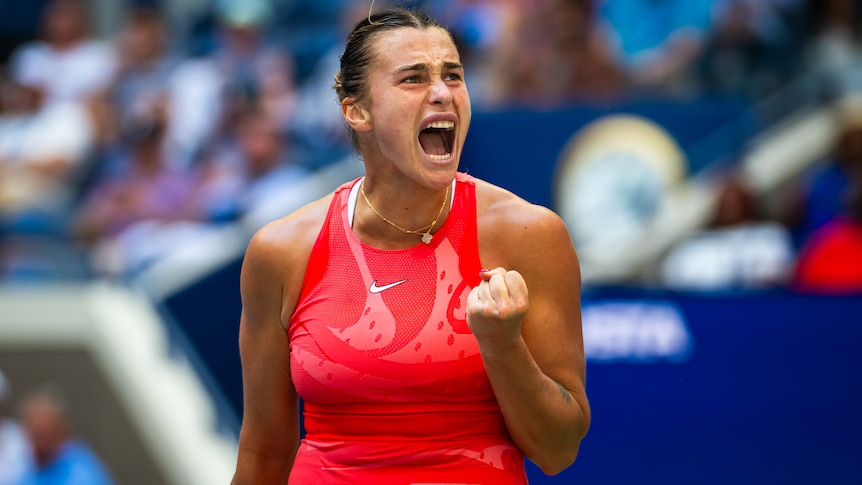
[{"x": 374, "y": 289}]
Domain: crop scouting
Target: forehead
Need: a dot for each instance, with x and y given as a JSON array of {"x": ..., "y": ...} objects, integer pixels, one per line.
[{"x": 409, "y": 45}]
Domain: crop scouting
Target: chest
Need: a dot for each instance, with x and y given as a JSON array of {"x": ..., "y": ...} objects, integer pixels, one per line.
[{"x": 387, "y": 326}]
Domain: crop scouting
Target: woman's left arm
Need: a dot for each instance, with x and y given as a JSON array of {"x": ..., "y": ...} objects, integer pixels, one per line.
[{"x": 526, "y": 317}]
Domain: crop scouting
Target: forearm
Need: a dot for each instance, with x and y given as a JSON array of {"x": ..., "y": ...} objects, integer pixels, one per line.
[{"x": 546, "y": 419}]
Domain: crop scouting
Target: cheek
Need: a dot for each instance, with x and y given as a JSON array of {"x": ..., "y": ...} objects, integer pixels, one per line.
[
  {"x": 465, "y": 102},
  {"x": 466, "y": 116},
  {"x": 402, "y": 130},
  {"x": 462, "y": 99},
  {"x": 392, "y": 124}
]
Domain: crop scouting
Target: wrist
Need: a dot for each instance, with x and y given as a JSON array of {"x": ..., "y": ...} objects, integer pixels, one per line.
[{"x": 498, "y": 350}]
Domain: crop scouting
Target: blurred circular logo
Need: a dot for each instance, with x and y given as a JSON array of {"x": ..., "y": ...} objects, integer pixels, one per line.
[{"x": 612, "y": 177}]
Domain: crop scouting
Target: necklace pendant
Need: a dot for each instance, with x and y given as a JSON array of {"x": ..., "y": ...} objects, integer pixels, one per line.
[{"x": 426, "y": 238}]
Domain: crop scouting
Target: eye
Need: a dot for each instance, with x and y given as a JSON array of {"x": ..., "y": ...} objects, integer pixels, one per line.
[
  {"x": 412, "y": 79},
  {"x": 452, "y": 76}
]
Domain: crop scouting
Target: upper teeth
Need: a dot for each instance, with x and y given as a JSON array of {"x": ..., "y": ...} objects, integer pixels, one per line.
[{"x": 444, "y": 125}]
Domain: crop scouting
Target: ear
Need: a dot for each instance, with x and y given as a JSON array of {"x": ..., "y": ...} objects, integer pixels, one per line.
[{"x": 356, "y": 116}]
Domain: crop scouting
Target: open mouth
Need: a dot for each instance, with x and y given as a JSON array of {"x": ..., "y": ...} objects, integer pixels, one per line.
[{"x": 437, "y": 139}]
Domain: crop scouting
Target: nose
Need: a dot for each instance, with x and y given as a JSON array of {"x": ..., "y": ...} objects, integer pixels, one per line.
[{"x": 440, "y": 93}]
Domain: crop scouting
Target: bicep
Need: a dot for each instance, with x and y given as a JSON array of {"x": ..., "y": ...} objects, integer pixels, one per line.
[
  {"x": 552, "y": 326},
  {"x": 270, "y": 414},
  {"x": 270, "y": 403}
]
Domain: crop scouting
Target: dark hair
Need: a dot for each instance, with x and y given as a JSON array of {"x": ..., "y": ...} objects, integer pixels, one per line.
[{"x": 352, "y": 80}]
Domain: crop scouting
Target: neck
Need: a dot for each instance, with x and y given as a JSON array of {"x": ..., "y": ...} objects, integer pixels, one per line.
[{"x": 391, "y": 218}]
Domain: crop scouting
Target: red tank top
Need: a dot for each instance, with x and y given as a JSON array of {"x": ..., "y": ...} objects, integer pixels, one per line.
[{"x": 393, "y": 386}]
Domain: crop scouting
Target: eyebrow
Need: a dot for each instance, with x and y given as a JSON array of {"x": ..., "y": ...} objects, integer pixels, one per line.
[{"x": 449, "y": 66}]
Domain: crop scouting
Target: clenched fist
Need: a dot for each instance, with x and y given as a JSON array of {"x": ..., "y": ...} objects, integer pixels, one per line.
[{"x": 496, "y": 308}]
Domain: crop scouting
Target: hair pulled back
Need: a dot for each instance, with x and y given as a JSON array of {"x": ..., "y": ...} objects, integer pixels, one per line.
[{"x": 352, "y": 80}]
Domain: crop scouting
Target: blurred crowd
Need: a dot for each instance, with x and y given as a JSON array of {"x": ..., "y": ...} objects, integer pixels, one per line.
[
  {"x": 39, "y": 444},
  {"x": 115, "y": 149}
]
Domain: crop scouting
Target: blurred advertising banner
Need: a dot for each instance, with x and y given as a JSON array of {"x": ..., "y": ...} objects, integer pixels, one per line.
[{"x": 747, "y": 388}]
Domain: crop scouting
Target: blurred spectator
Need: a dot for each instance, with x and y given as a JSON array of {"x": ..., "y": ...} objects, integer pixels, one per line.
[
  {"x": 144, "y": 66},
  {"x": 48, "y": 124},
  {"x": 255, "y": 71},
  {"x": 43, "y": 153},
  {"x": 242, "y": 68},
  {"x": 252, "y": 174},
  {"x": 561, "y": 54},
  {"x": 834, "y": 48},
  {"x": 65, "y": 64},
  {"x": 60, "y": 458},
  {"x": 143, "y": 188},
  {"x": 752, "y": 47},
  {"x": 317, "y": 129},
  {"x": 658, "y": 41},
  {"x": 830, "y": 261},
  {"x": 738, "y": 250},
  {"x": 193, "y": 97},
  {"x": 826, "y": 184},
  {"x": 15, "y": 456}
]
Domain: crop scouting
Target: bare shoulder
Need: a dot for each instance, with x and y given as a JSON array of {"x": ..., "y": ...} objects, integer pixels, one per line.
[
  {"x": 513, "y": 231},
  {"x": 289, "y": 236},
  {"x": 278, "y": 253}
]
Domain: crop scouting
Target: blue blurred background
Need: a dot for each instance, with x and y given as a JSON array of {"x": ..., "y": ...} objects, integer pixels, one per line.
[{"x": 705, "y": 154}]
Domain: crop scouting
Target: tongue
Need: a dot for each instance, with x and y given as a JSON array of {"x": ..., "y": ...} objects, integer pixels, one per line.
[{"x": 432, "y": 142}]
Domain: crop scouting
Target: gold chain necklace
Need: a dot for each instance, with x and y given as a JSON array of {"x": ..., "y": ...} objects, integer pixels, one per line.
[{"x": 425, "y": 231}]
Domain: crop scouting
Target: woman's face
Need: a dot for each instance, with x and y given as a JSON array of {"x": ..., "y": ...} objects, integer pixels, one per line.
[
  {"x": 417, "y": 107},
  {"x": 64, "y": 22}
]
